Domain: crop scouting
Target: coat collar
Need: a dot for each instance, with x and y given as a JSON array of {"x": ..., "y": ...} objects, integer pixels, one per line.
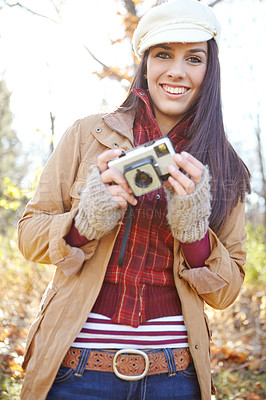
[{"x": 121, "y": 122}]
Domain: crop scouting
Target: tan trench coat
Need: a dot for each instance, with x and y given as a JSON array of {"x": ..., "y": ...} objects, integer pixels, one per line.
[{"x": 80, "y": 271}]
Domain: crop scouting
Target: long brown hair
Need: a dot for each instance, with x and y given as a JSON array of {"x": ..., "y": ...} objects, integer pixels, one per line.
[{"x": 207, "y": 139}]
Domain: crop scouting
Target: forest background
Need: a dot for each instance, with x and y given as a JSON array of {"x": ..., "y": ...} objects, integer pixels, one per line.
[{"x": 61, "y": 60}]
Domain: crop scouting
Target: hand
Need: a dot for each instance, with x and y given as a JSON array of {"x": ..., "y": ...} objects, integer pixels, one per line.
[
  {"x": 181, "y": 183},
  {"x": 115, "y": 180},
  {"x": 189, "y": 200}
]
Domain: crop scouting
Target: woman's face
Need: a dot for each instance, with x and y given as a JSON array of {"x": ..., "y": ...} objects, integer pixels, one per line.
[{"x": 175, "y": 72}]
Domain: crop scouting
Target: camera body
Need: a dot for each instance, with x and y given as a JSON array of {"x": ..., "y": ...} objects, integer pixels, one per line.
[{"x": 145, "y": 166}]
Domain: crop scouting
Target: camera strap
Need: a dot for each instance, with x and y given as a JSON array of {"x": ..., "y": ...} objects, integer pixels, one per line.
[{"x": 125, "y": 236}]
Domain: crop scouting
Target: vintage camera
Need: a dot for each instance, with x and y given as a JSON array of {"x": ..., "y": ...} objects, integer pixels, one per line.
[{"x": 145, "y": 166}]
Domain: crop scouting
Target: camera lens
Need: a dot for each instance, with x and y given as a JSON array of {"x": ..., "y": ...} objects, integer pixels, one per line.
[{"x": 142, "y": 179}]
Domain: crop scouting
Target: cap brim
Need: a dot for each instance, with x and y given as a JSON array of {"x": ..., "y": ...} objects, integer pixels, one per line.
[{"x": 174, "y": 36}]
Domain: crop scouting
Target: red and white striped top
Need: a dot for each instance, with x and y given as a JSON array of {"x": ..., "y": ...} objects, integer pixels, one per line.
[{"x": 100, "y": 332}]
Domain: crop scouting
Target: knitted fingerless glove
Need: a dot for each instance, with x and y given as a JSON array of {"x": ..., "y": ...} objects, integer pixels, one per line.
[
  {"x": 188, "y": 216},
  {"x": 98, "y": 213}
]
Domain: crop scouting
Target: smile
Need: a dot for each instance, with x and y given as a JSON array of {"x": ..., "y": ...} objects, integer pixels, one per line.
[{"x": 174, "y": 90}]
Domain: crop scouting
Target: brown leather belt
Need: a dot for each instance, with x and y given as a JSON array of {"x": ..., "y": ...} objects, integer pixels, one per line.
[{"x": 129, "y": 364}]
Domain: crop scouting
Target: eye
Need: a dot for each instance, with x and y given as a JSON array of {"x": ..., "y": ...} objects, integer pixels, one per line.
[
  {"x": 194, "y": 60},
  {"x": 163, "y": 55}
]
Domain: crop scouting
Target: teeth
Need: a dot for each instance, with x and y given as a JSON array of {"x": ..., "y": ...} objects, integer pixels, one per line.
[{"x": 174, "y": 90}]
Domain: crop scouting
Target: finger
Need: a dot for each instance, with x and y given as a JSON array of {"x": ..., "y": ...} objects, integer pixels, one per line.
[
  {"x": 112, "y": 175},
  {"x": 121, "y": 196},
  {"x": 102, "y": 160},
  {"x": 192, "y": 159},
  {"x": 177, "y": 187},
  {"x": 184, "y": 181},
  {"x": 190, "y": 165}
]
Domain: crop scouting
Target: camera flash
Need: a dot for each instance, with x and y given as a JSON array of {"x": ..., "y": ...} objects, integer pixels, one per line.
[{"x": 161, "y": 150}]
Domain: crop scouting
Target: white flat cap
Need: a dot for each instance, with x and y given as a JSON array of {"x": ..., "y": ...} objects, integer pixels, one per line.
[{"x": 184, "y": 21}]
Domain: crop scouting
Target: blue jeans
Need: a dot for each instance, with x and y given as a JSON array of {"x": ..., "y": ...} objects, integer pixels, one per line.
[{"x": 93, "y": 385}]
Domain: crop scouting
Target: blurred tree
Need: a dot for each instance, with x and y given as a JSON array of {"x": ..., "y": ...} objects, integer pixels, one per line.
[
  {"x": 12, "y": 165},
  {"x": 130, "y": 18},
  {"x": 261, "y": 163}
]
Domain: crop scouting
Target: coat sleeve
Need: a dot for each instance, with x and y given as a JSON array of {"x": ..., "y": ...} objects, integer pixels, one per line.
[
  {"x": 49, "y": 214},
  {"x": 220, "y": 280}
]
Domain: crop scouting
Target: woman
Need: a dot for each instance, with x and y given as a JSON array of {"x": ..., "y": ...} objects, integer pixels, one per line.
[{"x": 130, "y": 323}]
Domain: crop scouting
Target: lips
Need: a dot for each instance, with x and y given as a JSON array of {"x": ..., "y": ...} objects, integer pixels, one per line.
[{"x": 174, "y": 90}]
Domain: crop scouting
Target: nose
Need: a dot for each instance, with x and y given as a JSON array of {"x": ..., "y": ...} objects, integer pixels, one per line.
[{"x": 176, "y": 69}]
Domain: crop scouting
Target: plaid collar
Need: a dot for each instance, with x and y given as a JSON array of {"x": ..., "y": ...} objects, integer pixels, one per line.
[{"x": 145, "y": 117}]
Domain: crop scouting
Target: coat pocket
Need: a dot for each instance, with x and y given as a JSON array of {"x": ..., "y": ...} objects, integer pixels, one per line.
[
  {"x": 48, "y": 295},
  {"x": 77, "y": 188},
  {"x": 76, "y": 191}
]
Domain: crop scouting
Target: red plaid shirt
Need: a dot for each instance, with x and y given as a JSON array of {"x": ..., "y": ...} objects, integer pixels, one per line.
[{"x": 144, "y": 287}]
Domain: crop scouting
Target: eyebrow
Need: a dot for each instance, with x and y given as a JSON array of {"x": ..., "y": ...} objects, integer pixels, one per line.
[
  {"x": 194, "y": 50},
  {"x": 198, "y": 50}
]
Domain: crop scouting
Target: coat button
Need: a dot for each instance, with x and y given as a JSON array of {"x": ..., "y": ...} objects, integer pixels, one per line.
[
  {"x": 196, "y": 346},
  {"x": 98, "y": 130},
  {"x": 79, "y": 191}
]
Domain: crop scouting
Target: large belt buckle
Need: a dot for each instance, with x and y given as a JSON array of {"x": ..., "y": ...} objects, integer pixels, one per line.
[{"x": 133, "y": 377}]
